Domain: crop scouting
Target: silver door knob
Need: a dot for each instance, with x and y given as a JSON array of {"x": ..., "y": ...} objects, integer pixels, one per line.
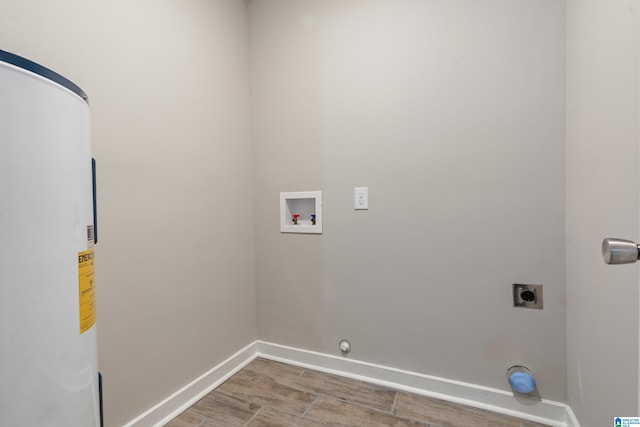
[{"x": 619, "y": 251}]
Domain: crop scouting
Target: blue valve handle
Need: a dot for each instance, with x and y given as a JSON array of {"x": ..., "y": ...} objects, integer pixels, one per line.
[{"x": 522, "y": 382}]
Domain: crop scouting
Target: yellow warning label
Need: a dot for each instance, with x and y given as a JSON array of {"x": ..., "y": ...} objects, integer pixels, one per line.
[{"x": 87, "y": 290}]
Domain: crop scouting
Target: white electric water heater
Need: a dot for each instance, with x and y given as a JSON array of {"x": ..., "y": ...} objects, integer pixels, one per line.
[{"x": 48, "y": 344}]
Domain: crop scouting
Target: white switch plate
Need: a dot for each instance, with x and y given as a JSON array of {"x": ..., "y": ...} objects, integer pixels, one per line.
[{"x": 361, "y": 198}]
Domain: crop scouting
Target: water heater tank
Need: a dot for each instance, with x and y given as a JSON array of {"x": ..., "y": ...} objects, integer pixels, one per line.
[{"x": 48, "y": 347}]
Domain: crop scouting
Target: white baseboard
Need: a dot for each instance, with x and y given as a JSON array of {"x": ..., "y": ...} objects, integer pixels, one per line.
[
  {"x": 543, "y": 411},
  {"x": 178, "y": 402},
  {"x": 548, "y": 412}
]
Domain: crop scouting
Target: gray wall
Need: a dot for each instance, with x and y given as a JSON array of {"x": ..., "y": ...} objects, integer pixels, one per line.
[
  {"x": 169, "y": 96},
  {"x": 452, "y": 113},
  {"x": 602, "y": 201}
]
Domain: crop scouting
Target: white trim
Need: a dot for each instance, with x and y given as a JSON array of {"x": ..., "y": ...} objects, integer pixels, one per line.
[
  {"x": 178, "y": 402},
  {"x": 572, "y": 420},
  {"x": 543, "y": 411}
]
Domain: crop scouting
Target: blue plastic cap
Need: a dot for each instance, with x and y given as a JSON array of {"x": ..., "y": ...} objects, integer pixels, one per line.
[{"x": 522, "y": 382}]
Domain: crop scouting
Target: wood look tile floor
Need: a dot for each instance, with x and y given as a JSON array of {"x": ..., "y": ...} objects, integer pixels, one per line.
[{"x": 267, "y": 394}]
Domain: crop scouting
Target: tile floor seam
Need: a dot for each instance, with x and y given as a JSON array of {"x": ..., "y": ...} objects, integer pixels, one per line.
[
  {"x": 313, "y": 402},
  {"x": 253, "y": 416},
  {"x": 393, "y": 405},
  {"x": 217, "y": 390},
  {"x": 301, "y": 373},
  {"x": 414, "y": 420},
  {"x": 306, "y": 389},
  {"x": 346, "y": 400},
  {"x": 371, "y": 408}
]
